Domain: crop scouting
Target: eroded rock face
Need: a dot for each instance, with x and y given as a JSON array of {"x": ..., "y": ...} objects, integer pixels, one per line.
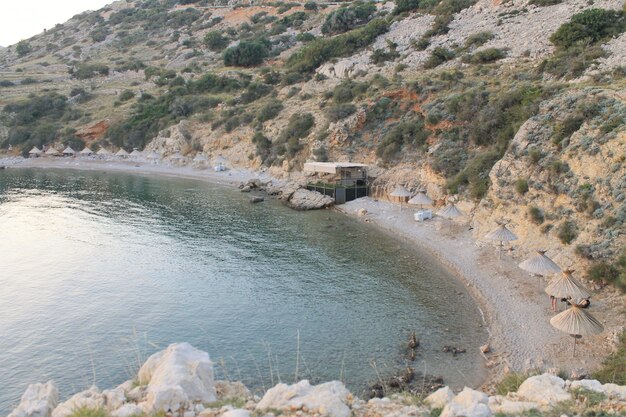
[
  {"x": 327, "y": 399},
  {"x": 91, "y": 398},
  {"x": 503, "y": 405},
  {"x": 468, "y": 403},
  {"x": 37, "y": 401},
  {"x": 440, "y": 398},
  {"x": 544, "y": 389},
  {"x": 176, "y": 377},
  {"x": 303, "y": 199}
]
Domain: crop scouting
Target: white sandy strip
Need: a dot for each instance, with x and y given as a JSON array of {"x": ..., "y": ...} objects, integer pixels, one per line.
[{"x": 516, "y": 309}]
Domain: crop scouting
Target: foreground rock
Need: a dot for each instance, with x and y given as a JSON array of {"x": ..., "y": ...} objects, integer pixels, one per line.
[
  {"x": 303, "y": 199},
  {"x": 37, "y": 401},
  {"x": 177, "y": 377},
  {"x": 327, "y": 399},
  {"x": 178, "y": 381}
]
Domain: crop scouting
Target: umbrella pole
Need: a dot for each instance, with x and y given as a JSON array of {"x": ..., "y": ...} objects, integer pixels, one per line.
[
  {"x": 500, "y": 251},
  {"x": 574, "y": 354}
]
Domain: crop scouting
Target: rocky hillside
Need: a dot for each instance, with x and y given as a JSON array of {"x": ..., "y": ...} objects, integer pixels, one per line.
[{"x": 515, "y": 108}]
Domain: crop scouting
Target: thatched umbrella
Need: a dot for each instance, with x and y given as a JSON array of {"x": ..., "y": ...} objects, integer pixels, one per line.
[
  {"x": 566, "y": 286},
  {"x": 122, "y": 152},
  {"x": 35, "y": 152},
  {"x": 577, "y": 323},
  {"x": 52, "y": 151},
  {"x": 421, "y": 199},
  {"x": 103, "y": 152},
  {"x": 400, "y": 192},
  {"x": 69, "y": 151},
  {"x": 200, "y": 158},
  {"x": 86, "y": 151},
  {"x": 501, "y": 234},
  {"x": 540, "y": 265},
  {"x": 154, "y": 156},
  {"x": 450, "y": 212},
  {"x": 136, "y": 153}
]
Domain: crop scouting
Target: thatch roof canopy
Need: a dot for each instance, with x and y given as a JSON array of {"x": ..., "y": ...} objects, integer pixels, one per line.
[
  {"x": 421, "y": 199},
  {"x": 566, "y": 286},
  {"x": 501, "y": 234},
  {"x": 103, "y": 151},
  {"x": 121, "y": 152},
  {"x": 86, "y": 151},
  {"x": 153, "y": 155},
  {"x": 400, "y": 191},
  {"x": 576, "y": 321},
  {"x": 450, "y": 212},
  {"x": 136, "y": 152},
  {"x": 35, "y": 151},
  {"x": 52, "y": 151},
  {"x": 68, "y": 151},
  {"x": 540, "y": 264},
  {"x": 200, "y": 158},
  {"x": 220, "y": 160},
  {"x": 177, "y": 156}
]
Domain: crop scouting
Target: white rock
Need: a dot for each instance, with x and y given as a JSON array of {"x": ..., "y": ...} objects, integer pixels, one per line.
[
  {"x": 236, "y": 413},
  {"x": 588, "y": 384},
  {"x": 128, "y": 410},
  {"x": 615, "y": 391},
  {"x": 468, "y": 403},
  {"x": 177, "y": 376},
  {"x": 440, "y": 398},
  {"x": 91, "y": 399},
  {"x": 37, "y": 401},
  {"x": 227, "y": 390},
  {"x": 328, "y": 399},
  {"x": 114, "y": 398},
  {"x": 500, "y": 404},
  {"x": 303, "y": 199},
  {"x": 544, "y": 389}
]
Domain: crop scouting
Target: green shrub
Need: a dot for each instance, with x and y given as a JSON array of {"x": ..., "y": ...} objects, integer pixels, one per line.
[
  {"x": 613, "y": 368},
  {"x": 89, "y": 412},
  {"x": 315, "y": 53},
  {"x": 23, "y": 48},
  {"x": 567, "y": 232},
  {"x": 305, "y": 37},
  {"x": 406, "y": 6},
  {"x": 100, "y": 33},
  {"x": 255, "y": 91},
  {"x": 340, "y": 111},
  {"x": 438, "y": 56},
  {"x": 348, "y": 91},
  {"x": 269, "y": 111},
  {"x": 299, "y": 126},
  {"x": 246, "y": 54},
  {"x": 347, "y": 18},
  {"x": 310, "y": 5},
  {"x": 321, "y": 154},
  {"x": 536, "y": 215},
  {"x": 263, "y": 146},
  {"x": 535, "y": 155},
  {"x": 521, "y": 186},
  {"x": 589, "y": 26},
  {"x": 485, "y": 56},
  {"x": 543, "y": 3},
  {"x": 126, "y": 95},
  {"x": 603, "y": 272},
  {"x": 567, "y": 127},
  {"x": 215, "y": 41},
  {"x": 411, "y": 132},
  {"x": 380, "y": 56},
  {"x": 6, "y": 83},
  {"x": 478, "y": 39},
  {"x": 510, "y": 383},
  {"x": 86, "y": 71},
  {"x": 572, "y": 62},
  {"x": 475, "y": 174}
]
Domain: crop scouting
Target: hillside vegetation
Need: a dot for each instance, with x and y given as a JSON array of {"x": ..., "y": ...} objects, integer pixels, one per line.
[{"x": 520, "y": 102}]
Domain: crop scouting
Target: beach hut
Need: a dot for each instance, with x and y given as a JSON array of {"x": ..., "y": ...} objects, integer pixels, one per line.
[
  {"x": 566, "y": 286},
  {"x": 103, "y": 152},
  {"x": 401, "y": 193},
  {"x": 35, "y": 152},
  {"x": 69, "y": 152},
  {"x": 52, "y": 151},
  {"x": 86, "y": 151},
  {"x": 577, "y": 323},
  {"x": 122, "y": 153},
  {"x": 540, "y": 265},
  {"x": 501, "y": 234},
  {"x": 450, "y": 212},
  {"x": 219, "y": 164},
  {"x": 136, "y": 153}
]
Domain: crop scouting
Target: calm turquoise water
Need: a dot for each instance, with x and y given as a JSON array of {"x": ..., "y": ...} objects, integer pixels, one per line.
[{"x": 99, "y": 270}]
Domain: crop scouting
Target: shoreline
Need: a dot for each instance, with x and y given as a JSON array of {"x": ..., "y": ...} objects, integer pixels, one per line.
[{"x": 503, "y": 292}]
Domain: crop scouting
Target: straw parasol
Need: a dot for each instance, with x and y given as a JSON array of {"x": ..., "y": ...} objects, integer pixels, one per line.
[
  {"x": 86, "y": 151},
  {"x": 450, "y": 212},
  {"x": 421, "y": 199},
  {"x": 540, "y": 265},
  {"x": 501, "y": 234},
  {"x": 122, "y": 152},
  {"x": 35, "y": 151},
  {"x": 400, "y": 192},
  {"x": 69, "y": 151},
  {"x": 52, "y": 151},
  {"x": 577, "y": 323},
  {"x": 200, "y": 158},
  {"x": 103, "y": 152},
  {"x": 566, "y": 286},
  {"x": 136, "y": 153},
  {"x": 153, "y": 155}
]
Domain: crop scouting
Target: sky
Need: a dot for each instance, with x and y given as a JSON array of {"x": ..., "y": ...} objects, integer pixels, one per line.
[{"x": 21, "y": 19}]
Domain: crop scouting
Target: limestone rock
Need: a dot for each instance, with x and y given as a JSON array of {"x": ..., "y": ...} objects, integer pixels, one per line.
[
  {"x": 468, "y": 403},
  {"x": 91, "y": 398},
  {"x": 615, "y": 391},
  {"x": 177, "y": 376},
  {"x": 303, "y": 199},
  {"x": 128, "y": 410},
  {"x": 236, "y": 413},
  {"x": 503, "y": 405},
  {"x": 485, "y": 348},
  {"x": 588, "y": 384},
  {"x": 544, "y": 389},
  {"x": 440, "y": 398},
  {"x": 37, "y": 401},
  {"x": 227, "y": 390},
  {"x": 328, "y": 399},
  {"x": 361, "y": 212},
  {"x": 114, "y": 398}
]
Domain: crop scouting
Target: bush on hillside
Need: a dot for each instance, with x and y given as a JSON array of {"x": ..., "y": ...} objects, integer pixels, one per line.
[
  {"x": 589, "y": 26},
  {"x": 215, "y": 41},
  {"x": 246, "y": 54},
  {"x": 438, "y": 56},
  {"x": 340, "y": 111},
  {"x": 613, "y": 370},
  {"x": 23, "y": 48},
  {"x": 86, "y": 71},
  {"x": 407, "y": 133},
  {"x": 347, "y": 18},
  {"x": 536, "y": 215},
  {"x": 485, "y": 56},
  {"x": 567, "y": 232},
  {"x": 269, "y": 111}
]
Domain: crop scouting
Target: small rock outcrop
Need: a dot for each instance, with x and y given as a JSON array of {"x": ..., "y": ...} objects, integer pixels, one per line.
[
  {"x": 176, "y": 377},
  {"x": 303, "y": 199},
  {"x": 440, "y": 398},
  {"x": 468, "y": 403},
  {"x": 91, "y": 399},
  {"x": 544, "y": 389},
  {"x": 37, "y": 401},
  {"x": 327, "y": 399}
]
